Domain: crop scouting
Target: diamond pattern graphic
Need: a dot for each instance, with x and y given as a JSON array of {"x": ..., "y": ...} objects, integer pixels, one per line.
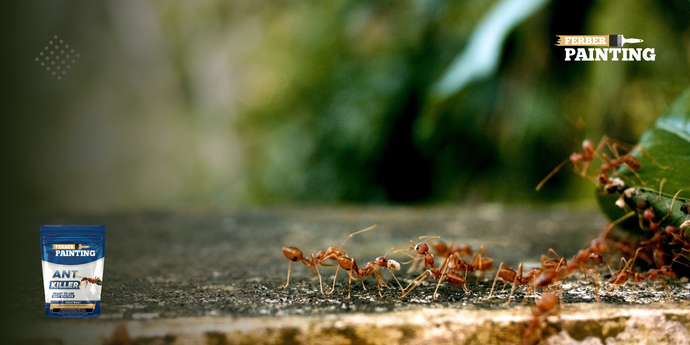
[{"x": 57, "y": 57}]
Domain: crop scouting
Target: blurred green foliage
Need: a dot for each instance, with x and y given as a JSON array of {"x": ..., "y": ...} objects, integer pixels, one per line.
[
  {"x": 218, "y": 103},
  {"x": 345, "y": 112}
]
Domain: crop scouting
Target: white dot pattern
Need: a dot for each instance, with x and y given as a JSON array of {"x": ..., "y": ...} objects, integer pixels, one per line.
[{"x": 61, "y": 48}]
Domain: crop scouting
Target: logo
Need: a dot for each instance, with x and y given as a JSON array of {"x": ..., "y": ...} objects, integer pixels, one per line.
[
  {"x": 57, "y": 57},
  {"x": 73, "y": 250},
  {"x": 615, "y": 52}
]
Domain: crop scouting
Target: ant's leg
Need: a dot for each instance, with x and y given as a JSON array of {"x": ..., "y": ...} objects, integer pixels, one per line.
[
  {"x": 317, "y": 272},
  {"x": 379, "y": 277},
  {"x": 636, "y": 174},
  {"x": 417, "y": 282},
  {"x": 496, "y": 279},
  {"x": 364, "y": 287},
  {"x": 378, "y": 285},
  {"x": 421, "y": 276},
  {"x": 554, "y": 253},
  {"x": 288, "y": 276},
  {"x": 665, "y": 167},
  {"x": 444, "y": 268},
  {"x": 334, "y": 278},
  {"x": 396, "y": 279},
  {"x": 668, "y": 294},
  {"x": 349, "y": 285},
  {"x": 512, "y": 290}
]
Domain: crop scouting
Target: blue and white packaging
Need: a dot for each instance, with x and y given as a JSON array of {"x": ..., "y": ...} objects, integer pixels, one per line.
[{"x": 73, "y": 257}]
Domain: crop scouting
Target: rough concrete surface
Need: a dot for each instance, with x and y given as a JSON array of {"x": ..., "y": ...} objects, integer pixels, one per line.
[{"x": 214, "y": 277}]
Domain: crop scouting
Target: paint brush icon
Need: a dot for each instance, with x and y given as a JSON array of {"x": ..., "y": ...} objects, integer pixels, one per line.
[{"x": 619, "y": 40}]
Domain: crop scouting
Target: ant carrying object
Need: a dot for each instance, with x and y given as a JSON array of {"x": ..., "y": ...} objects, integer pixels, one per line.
[
  {"x": 295, "y": 254},
  {"x": 94, "y": 280}
]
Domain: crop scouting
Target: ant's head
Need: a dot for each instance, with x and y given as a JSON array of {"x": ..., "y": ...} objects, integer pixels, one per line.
[
  {"x": 587, "y": 146},
  {"x": 667, "y": 271},
  {"x": 599, "y": 246},
  {"x": 596, "y": 257},
  {"x": 381, "y": 261},
  {"x": 603, "y": 178},
  {"x": 575, "y": 158},
  {"x": 421, "y": 248},
  {"x": 648, "y": 214},
  {"x": 670, "y": 230}
]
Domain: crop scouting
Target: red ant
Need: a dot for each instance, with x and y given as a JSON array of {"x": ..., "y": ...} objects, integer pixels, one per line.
[
  {"x": 294, "y": 254},
  {"x": 95, "y": 281},
  {"x": 453, "y": 277},
  {"x": 479, "y": 263},
  {"x": 588, "y": 154},
  {"x": 622, "y": 275},
  {"x": 543, "y": 307},
  {"x": 350, "y": 266},
  {"x": 549, "y": 274},
  {"x": 458, "y": 249},
  {"x": 507, "y": 274}
]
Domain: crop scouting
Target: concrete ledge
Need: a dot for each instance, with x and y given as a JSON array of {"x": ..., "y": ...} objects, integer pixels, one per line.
[{"x": 577, "y": 323}]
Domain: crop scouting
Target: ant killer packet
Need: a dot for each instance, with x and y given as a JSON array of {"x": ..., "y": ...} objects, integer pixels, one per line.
[{"x": 73, "y": 257}]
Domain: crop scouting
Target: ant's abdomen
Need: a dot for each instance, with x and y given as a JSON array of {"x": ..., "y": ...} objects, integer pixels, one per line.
[
  {"x": 292, "y": 253},
  {"x": 455, "y": 278}
]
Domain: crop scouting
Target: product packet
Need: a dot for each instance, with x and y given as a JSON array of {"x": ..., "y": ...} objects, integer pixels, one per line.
[{"x": 73, "y": 257}]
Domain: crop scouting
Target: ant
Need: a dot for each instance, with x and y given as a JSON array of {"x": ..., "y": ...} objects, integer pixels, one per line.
[
  {"x": 551, "y": 273},
  {"x": 659, "y": 273},
  {"x": 507, "y": 274},
  {"x": 295, "y": 254},
  {"x": 479, "y": 263},
  {"x": 453, "y": 277},
  {"x": 542, "y": 308},
  {"x": 350, "y": 266},
  {"x": 588, "y": 154},
  {"x": 95, "y": 281},
  {"x": 576, "y": 158},
  {"x": 446, "y": 250},
  {"x": 622, "y": 275}
]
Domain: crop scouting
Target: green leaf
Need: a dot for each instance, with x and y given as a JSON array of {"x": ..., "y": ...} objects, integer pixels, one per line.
[
  {"x": 668, "y": 143},
  {"x": 482, "y": 55}
]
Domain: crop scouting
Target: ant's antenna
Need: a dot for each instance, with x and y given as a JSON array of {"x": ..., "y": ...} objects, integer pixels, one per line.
[
  {"x": 616, "y": 222},
  {"x": 355, "y": 233},
  {"x": 428, "y": 238},
  {"x": 553, "y": 172}
]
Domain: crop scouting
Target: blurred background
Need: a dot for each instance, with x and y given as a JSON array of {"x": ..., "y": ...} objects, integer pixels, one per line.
[{"x": 233, "y": 103}]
